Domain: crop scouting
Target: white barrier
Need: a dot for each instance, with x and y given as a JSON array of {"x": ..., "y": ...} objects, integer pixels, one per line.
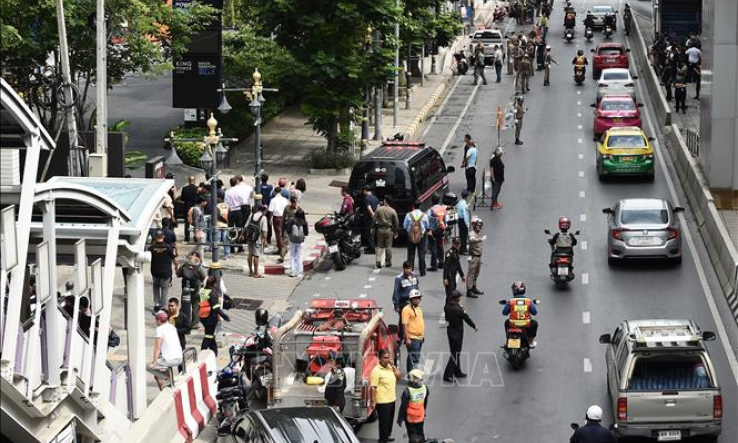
[{"x": 639, "y": 49}]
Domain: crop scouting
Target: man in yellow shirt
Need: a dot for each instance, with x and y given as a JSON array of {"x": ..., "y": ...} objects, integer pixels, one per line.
[
  {"x": 414, "y": 326},
  {"x": 384, "y": 381}
]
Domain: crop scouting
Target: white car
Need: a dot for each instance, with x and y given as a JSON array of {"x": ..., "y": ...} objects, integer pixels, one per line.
[
  {"x": 616, "y": 81},
  {"x": 489, "y": 38},
  {"x": 599, "y": 12}
]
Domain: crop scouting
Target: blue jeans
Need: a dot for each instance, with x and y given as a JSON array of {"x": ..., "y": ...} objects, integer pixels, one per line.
[
  {"x": 413, "y": 353},
  {"x": 225, "y": 241},
  {"x": 498, "y": 71}
]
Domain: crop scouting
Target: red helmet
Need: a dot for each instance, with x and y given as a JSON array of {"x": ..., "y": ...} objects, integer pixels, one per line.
[{"x": 564, "y": 224}]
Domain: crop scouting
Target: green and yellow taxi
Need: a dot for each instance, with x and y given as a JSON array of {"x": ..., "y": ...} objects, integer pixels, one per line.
[{"x": 625, "y": 151}]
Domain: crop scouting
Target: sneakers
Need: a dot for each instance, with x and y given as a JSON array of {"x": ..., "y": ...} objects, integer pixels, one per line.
[
  {"x": 388, "y": 264},
  {"x": 497, "y": 206},
  {"x": 298, "y": 276},
  {"x": 533, "y": 344},
  {"x": 471, "y": 294},
  {"x": 378, "y": 265}
]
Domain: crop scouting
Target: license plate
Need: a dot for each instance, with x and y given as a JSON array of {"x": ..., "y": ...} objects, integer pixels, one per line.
[
  {"x": 563, "y": 271},
  {"x": 610, "y": 60},
  {"x": 317, "y": 402},
  {"x": 513, "y": 343},
  {"x": 645, "y": 241},
  {"x": 333, "y": 249},
  {"x": 671, "y": 435},
  {"x": 617, "y": 120},
  {"x": 629, "y": 158}
]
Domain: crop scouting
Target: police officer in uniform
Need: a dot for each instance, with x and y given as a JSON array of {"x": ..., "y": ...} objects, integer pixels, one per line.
[
  {"x": 452, "y": 268},
  {"x": 211, "y": 312},
  {"x": 519, "y": 114},
  {"x": 456, "y": 316},
  {"x": 547, "y": 60},
  {"x": 386, "y": 224},
  {"x": 476, "y": 239},
  {"x": 592, "y": 432},
  {"x": 524, "y": 74}
]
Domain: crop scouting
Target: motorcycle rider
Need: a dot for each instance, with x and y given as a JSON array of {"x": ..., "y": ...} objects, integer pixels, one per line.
[
  {"x": 592, "y": 432},
  {"x": 562, "y": 241},
  {"x": 570, "y": 16},
  {"x": 609, "y": 21},
  {"x": 580, "y": 62},
  {"x": 461, "y": 65},
  {"x": 627, "y": 18},
  {"x": 519, "y": 310},
  {"x": 589, "y": 21}
]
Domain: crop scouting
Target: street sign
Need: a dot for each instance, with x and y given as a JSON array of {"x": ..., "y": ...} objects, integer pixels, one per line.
[
  {"x": 196, "y": 79},
  {"x": 8, "y": 239}
]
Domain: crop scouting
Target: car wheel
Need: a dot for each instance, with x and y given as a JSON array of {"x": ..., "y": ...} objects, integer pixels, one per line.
[
  {"x": 612, "y": 261},
  {"x": 677, "y": 261}
]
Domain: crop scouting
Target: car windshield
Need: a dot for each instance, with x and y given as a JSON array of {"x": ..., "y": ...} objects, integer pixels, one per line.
[
  {"x": 669, "y": 372},
  {"x": 602, "y": 9},
  {"x": 617, "y": 105},
  {"x": 610, "y": 51},
  {"x": 319, "y": 425},
  {"x": 615, "y": 75},
  {"x": 626, "y": 141},
  {"x": 644, "y": 216},
  {"x": 487, "y": 35}
]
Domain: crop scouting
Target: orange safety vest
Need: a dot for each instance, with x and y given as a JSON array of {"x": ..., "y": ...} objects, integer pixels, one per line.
[
  {"x": 519, "y": 312},
  {"x": 581, "y": 60},
  {"x": 205, "y": 308},
  {"x": 223, "y": 211},
  {"x": 416, "y": 404}
]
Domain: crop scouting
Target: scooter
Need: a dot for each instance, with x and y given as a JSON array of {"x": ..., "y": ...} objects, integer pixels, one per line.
[
  {"x": 607, "y": 31},
  {"x": 588, "y": 33},
  {"x": 232, "y": 392},
  {"x": 569, "y": 34},
  {"x": 256, "y": 354},
  {"x": 343, "y": 240},
  {"x": 579, "y": 75},
  {"x": 516, "y": 349},
  {"x": 561, "y": 264},
  {"x": 461, "y": 64}
]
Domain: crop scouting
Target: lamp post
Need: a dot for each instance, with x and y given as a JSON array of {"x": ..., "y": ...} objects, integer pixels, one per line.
[{"x": 213, "y": 154}]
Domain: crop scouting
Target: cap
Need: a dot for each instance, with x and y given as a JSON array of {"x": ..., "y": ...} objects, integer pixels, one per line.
[
  {"x": 162, "y": 315},
  {"x": 169, "y": 175},
  {"x": 417, "y": 374},
  {"x": 282, "y": 181}
]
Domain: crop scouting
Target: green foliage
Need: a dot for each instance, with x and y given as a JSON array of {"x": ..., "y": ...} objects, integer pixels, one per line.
[
  {"x": 135, "y": 159},
  {"x": 320, "y": 159},
  {"x": 189, "y": 152}
]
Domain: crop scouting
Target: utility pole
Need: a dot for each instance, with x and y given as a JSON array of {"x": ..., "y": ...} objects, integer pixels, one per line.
[
  {"x": 101, "y": 91},
  {"x": 377, "y": 99},
  {"x": 76, "y": 161},
  {"x": 396, "y": 104}
]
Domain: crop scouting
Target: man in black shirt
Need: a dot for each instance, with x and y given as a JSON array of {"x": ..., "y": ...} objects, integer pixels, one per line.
[
  {"x": 370, "y": 207},
  {"x": 162, "y": 266},
  {"x": 170, "y": 237},
  {"x": 190, "y": 198},
  {"x": 451, "y": 268},
  {"x": 498, "y": 176},
  {"x": 456, "y": 316}
]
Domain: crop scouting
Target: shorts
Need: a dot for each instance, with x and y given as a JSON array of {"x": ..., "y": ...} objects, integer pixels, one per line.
[
  {"x": 256, "y": 249},
  {"x": 162, "y": 366}
]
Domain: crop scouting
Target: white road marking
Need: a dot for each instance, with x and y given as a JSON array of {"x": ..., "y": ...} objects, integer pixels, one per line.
[
  {"x": 439, "y": 110},
  {"x": 442, "y": 320},
  {"x": 362, "y": 295},
  {"x": 579, "y": 114},
  {"x": 584, "y": 245},
  {"x": 452, "y": 133},
  {"x": 580, "y": 127},
  {"x": 367, "y": 286},
  {"x": 585, "y": 317},
  {"x": 327, "y": 277},
  {"x": 581, "y": 173},
  {"x": 587, "y": 365},
  {"x": 581, "y": 156},
  {"x": 372, "y": 278},
  {"x": 579, "y": 103},
  {"x": 317, "y": 294},
  {"x": 582, "y": 217},
  {"x": 580, "y": 140},
  {"x": 709, "y": 296},
  {"x": 579, "y": 92},
  {"x": 428, "y": 366},
  {"x": 376, "y": 271},
  {"x": 582, "y": 194},
  {"x": 585, "y": 279}
]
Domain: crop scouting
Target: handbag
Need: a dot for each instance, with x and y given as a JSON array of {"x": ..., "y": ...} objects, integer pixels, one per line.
[{"x": 227, "y": 302}]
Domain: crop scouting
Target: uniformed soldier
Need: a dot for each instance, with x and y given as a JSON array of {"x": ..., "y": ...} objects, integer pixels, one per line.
[
  {"x": 530, "y": 51},
  {"x": 524, "y": 74},
  {"x": 386, "y": 224},
  {"x": 512, "y": 44},
  {"x": 452, "y": 268},
  {"x": 547, "y": 66},
  {"x": 456, "y": 316},
  {"x": 476, "y": 238},
  {"x": 519, "y": 52},
  {"x": 519, "y": 114}
]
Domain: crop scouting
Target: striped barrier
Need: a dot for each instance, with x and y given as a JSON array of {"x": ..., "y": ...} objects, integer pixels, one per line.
[{"x": 193, "y": 399}]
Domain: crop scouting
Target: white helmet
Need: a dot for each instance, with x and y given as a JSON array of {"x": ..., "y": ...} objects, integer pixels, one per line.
[
  {"x": 476, "y": 221},
  {"x": 594, "y": 412},
  {"x": 414, "y": 293}
]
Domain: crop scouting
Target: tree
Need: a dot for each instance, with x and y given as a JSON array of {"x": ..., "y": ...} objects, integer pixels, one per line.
[{"x": 139, "y": 32}]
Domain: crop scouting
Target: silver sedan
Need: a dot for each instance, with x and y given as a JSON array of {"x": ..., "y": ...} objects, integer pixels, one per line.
[
  {"x": 643, "y": 228},
  {"x": 616, "y": 81}
]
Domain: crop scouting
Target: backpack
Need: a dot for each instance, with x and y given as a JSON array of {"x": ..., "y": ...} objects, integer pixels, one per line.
[
  {"x": 479, "y": 62},
  {"x": 297, "y": 235},
  {"x": 440, "y": 219},
  {"x": 252, "y": 229},
  {"x": 415, "y": 233}
]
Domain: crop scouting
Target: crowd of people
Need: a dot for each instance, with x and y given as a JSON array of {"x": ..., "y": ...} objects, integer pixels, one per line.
[{"x": 677, "y": 63}]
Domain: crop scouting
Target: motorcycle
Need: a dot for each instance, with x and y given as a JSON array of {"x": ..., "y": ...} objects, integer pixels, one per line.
[
  {"x": 256, "y": 357},
  {"x": 516, "y": 349},
  {"x": 561, "y": 265},
  {"x": 607, "y": 31},
  {"x": 232, "y": 392},
  {"x": 579, "y": 75},
  {"x": 569, "y": 34},
  {"x": 588, "y": 33},
  {"x": 342, "y": 238},
  {"x": 461, "y": 64}
]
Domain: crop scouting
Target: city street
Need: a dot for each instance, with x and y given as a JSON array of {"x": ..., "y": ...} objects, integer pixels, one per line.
[{"x": 551, "y": 175}]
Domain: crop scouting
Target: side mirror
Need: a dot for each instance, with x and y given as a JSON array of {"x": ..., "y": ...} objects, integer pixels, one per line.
[
  {"x": 593, "y": 105},
  {"x": 607, "y": 210},
  {"x": 574, "y": 426},
  {"x": 678, "y": 209},
  {"x": 640, "y": 105},
  {"x": 651, "y": 139},
  {"x": 537, "y": 301},
  {"x": 627, "y": 49},
  {"x": 708, "y": 336},
  {"x": 613, "y": 426},
  {"x": 635, "y": 77},
  {"x": 547, "y": 231},
  {"x": 576, "y": 232},
  {"x": 502, "y": 302},
  {"x": 450, "y": 170},
  {"x": 592, "y": 50},
  {"x": 605, "y": 339}
]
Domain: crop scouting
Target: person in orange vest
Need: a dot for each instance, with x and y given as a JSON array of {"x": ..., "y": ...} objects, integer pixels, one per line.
[
  {"x": 413, "y": 404},
  {"x": 519, "y": 310},
  {"x": 211, "y": 312},
  {"x": 224, "y": 211}
]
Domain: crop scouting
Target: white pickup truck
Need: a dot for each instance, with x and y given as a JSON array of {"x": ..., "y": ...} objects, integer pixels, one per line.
[
  {"x": 489, "y": 38},
  {"x": 661, "y": 380}
]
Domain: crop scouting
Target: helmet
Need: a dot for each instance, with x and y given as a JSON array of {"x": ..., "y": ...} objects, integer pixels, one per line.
[
  {"x": 548, "y": 47},
  {"x": 477, "y": 221},
  {"x": 416, "y": 374},
  {"x": 518, "y": 288},
  {"x": 261, "y": 316},
  {"x": 564, "y": 224},
  {"x": 594, "y": 412},
  {"x": 414, "y": 293},
  {"x": 580, "y": 53}
]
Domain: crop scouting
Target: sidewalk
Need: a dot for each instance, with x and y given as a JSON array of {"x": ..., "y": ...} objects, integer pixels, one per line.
[{"x": 690, "y": 121}]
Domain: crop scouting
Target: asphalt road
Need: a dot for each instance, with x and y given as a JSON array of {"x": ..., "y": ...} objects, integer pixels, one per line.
[{"x": 551, "y": 175}]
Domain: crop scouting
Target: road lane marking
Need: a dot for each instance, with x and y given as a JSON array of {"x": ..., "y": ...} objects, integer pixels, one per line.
[
  {"x": 587, "y": 365},
  {"x": 317, "y": 294},
  {"x": 580, "y": 127},
  {"x": 440, "y": 108},
  {"x": 367, "y": 286},
  {"x": 584, "y": 245},
  {"x": 372, "y": 278},
  {"x": 362, "y": 295},
  {"x": 327, "y": 277},
  {"x": 582, "y": 217},
  {"x": 579, "y": 92},
  {"x": 579, "y": 103},
  {"x": 581, "y": 173},
  {"x": 376, "y": 271},
  {"x": 442, "y": 320},
  {"x": 581, "y": 156},
  {"x": 452, "y": 133},
  {"x": 579, "y": 114},
  {"x": 585, "y": 317},
  {"x": 580, "y": 140},
  {"x": 582, "y": 194},
  {"x": 585, "y": 279}
]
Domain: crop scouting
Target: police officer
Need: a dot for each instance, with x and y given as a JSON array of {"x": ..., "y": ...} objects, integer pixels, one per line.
[
  {"x": 476, "y": 239},
  {"x": 211, "y": 312},
  {"x": 386, "y": 224},
  {"x": 479, "y": 65},
  {"x": 452, "y": 268},
  {"x": 526, "y": 70},
  {"x": 519, "y": 114},
  {"x": 456, "y": 316},
  {"x": 413, "y": 404},
  {"x": 547, "y": 60},
  {"x": 592, "y": 432}
]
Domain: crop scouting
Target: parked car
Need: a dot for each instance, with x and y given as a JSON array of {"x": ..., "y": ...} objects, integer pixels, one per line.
[
  {"x": 643, "y": 228},
  {"x": 599, "y": 12},
  {"x": 661, "y": 380},
  {"x": 614, "y": 111},
  {"x": 489, "y": 37},
  {"x": 616, "y": 81},
  {"x": 609, "y": 55},
  {"x": 624, "y": 151}
]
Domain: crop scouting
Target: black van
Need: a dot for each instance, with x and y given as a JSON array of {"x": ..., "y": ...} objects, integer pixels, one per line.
[{"x": 406, "y": 171}]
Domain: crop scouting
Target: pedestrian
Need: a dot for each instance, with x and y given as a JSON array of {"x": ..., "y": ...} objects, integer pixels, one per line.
[
  {"x": 162, "y": 267},
  {"x": 452, "y": 268},
  {"x": 414, "y": 329},
  {"x": 170, "y": 237},
  {"x": 221, "y": 230},
  {"x": 266, "y": 190},
  {"x": 468, "y": 143},
  {"x": 383, "y": 379},
  {"x": 499, "y": 57},
  {"x": 470, "y": 169},
  {"x": 84, "y": 318},
  {"x": 405, "y": 283},
  {"x": 211, "y": 312},
  {"x": 256, "y": 236},
  {"x": 297, "y": 230},
  {"x": 335, "y": 384},
  {"x": 167, "y": 350},
  {"x": 386, "y": 224},
  {"x": 190, "y": 198},
  {"x": 192, "y": 275},
  {"x": 347, "y": 202},
  {"x": 196, "y": 218},
  {"x": 519, "y": 114},
  {"x": 530, "y": 51},
  {"x": 526, "y": 70},
  {"x": 180, "y": 322},
  {"x": 289, "y": 213},
  {"x": 694, "y": 58},
  {"x": 413, "y": 404},
  {"x": 436, "y": 231},
  {"x": 476, "y": 243},
  {"x": 416, "y": 226},
  {"x": 697, "y": 81},
  {"x": 235, "y": 202},
  {"x": 680, "y": 88},
  {"x": 479, "y": 66},
  {"x": 497, "y": 167},
  {"x": 456, "y": 316},
  {"x": 298, "y": 189},
  {"x": 369, "y": 207},
  {"x": 543, "y": 25},
  {"x": 166, "y": 210},
  {"x": 548, "y": 59},
  {"x": 463, "y": 217},
  {"x": 276, "y": 207},
  {"x": 512, "y": 46}
]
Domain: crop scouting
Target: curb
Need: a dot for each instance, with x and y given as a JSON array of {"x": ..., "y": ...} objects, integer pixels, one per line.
[
  {"x": 307, "y": 265},
  {"x": 413, "y": 127}
]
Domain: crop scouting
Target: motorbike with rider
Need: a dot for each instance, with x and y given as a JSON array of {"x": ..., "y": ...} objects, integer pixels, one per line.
[
  {"x": 592, "y": 431},
  {"x": 520, "y": 328},
  {"x": 570, "y": 16},
  {"x": 580, "y": 66},
  {"x": 608, "y": 26},
  {"x": 589, "y": 26},
  {"x": 562, "y": 245}
]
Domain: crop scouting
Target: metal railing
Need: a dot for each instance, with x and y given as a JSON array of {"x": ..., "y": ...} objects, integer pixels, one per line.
[{"x": 692, "y": 138}]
